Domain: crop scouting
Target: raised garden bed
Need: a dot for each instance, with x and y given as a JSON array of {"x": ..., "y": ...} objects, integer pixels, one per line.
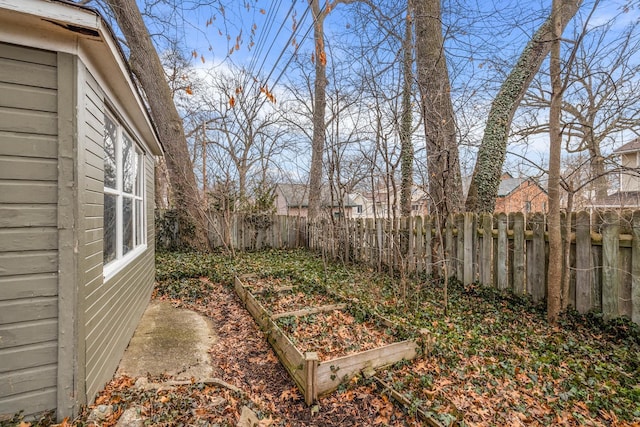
[{"x": 316, "y": 362}]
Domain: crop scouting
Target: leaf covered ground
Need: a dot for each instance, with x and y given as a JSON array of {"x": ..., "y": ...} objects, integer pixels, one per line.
[{"x": 493, "y": 359}]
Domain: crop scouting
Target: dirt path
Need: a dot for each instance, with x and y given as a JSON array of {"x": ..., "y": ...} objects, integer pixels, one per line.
[{"x": 241, "y": 357}]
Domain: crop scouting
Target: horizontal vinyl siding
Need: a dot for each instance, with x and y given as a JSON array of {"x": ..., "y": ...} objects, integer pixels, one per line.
[
  {"x": 28, "y": 230},
  {"x": 111, "y": 309}
]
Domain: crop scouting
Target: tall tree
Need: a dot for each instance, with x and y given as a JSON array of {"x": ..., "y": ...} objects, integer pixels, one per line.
[
  {"x": 600, "y": 100},
  {"x": 319, "y": 13},
  {"x": 485, "y": 181},
  {"x": 443, "y": 165},
  {"x": 554, "y": 270},
  {"x": 146, "y": 66},
  {"x": 406, "y": 124}
]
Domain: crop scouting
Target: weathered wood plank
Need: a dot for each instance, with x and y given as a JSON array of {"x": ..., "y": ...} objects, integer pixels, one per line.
[
  {"x": 610, "y": 272},
  {"x": 419, "y": 244},
  {"x": 486, "y": 252},
  {"x": 448, "y": 249},
  {"x": 37, "y": 401},
  {"x": 584, "y": 287},
  {"x": 28, "y": 286},
  {"x": 17, "y": 334},
  {"x": 289, "y": 355},
  {"x": 309, "y": 310},
  {"x": 29, "y": 55},
  {"x": 28, "y": 356},
  {"x": 536, "y": 268},
  {"x": 468, "y": 259},
  {"x": 28, "y": 145},
  {"x": 459, "y": 223},
  {"x": 501, "y": 260},
  {"x": 519, "y": 267},
  {"x": 28, "y": 73},
  {"x": 428, "y": 245},
  {"x": 310, "y": 373},
  {"x": 33, "y": 262},
  {"x": 23, "y": 192},
  {"x": 28, "y": 309},
  {"x": 27, "y": 121},
  {"x": 635, "y": 268},
  {"x": 36, "y": 378},
  {"x": 28, "y": 98},
  {"x": 28, "y": 239},
  {"x": 331, "y": 373},
  {"x": 27, "y": 216}
]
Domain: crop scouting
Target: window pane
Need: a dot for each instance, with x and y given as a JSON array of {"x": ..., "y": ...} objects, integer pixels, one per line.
[
  {"x": 110, "y": 134},
  {"x": 139, "y": 223},
  {"x": 110, "y": 228},
  {"x": 127, "y": 224},
  {"x": 129, "y": 165},
  {"x": 139, "y": 185}
]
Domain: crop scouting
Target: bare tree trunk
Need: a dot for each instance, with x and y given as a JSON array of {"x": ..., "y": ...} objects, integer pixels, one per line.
[
  {"x": 146, "y": 66},
  {"x": 406, "y": 154},
  {"x": 488, "y": 169},
  {"x": 319, "y": 12},
  {"x": 445, "y": 185},
  {"x": 319, "y": 106},
  {"x": 554, "y": 273}
]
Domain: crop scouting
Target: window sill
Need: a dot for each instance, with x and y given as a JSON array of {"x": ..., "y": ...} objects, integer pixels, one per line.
[{"x": 111, "y": 269}]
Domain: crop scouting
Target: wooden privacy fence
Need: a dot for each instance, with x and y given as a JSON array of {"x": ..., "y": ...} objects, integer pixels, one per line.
[
  {"x": 509, "y": 252},
  {"x": 254, "y": 232}
]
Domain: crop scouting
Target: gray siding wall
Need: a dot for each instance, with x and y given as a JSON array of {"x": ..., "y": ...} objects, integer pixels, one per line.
[
  {"x": 112, "y": 309},
  {"x": 28, "y": 229}
]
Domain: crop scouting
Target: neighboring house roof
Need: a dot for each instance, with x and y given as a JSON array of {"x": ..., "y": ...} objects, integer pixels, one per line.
[
  {"x": 509, "y": 185},
  {"x": 629, "y": 147},
  {"x": 296, "y": 196}
]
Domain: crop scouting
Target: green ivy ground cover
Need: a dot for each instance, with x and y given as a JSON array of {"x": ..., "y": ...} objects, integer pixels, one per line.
[{"x": 494, "y": 360}]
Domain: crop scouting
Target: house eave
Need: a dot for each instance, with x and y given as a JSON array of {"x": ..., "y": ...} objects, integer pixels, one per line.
[{"x": 85, "y": 33}]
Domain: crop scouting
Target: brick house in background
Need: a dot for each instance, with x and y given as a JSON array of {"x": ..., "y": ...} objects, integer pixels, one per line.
[{"x": 520, "y": 195}]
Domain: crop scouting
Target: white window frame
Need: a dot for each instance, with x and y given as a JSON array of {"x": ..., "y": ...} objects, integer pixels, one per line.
[{"x": 122, "y": 259}]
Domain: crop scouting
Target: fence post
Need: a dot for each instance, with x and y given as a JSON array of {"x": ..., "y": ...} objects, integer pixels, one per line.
[
  {"x": 310, "y": 368},
  {"x": 428, "y": 246},
  {"x": 519, "y": 268},
  {"x": 459, "y": 243},
  {"x": 469, "y": 223},
  {"x": 486, "y": 251},
  {"x": 610, "y": 272},
  {"x": 635, "y": 267},
  {"x": 501, "y": 259}
]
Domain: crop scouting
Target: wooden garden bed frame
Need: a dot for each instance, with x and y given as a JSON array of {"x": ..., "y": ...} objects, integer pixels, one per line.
[{"x": 314, "y": 377}]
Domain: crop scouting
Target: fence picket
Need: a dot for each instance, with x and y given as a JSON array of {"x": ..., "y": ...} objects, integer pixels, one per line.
[
  {"x": 635, "y": 267},
  {"x": 518, "y": 284},
  {"x": 610, "y": 272}
]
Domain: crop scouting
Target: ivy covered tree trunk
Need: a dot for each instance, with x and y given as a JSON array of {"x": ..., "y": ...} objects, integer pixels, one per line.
[
  {"x": 406, "y": 166},
  {"x": 491, "y": 155},
  {"x": 146, "y": 66},
  {"x": 443, "y": 164}
]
